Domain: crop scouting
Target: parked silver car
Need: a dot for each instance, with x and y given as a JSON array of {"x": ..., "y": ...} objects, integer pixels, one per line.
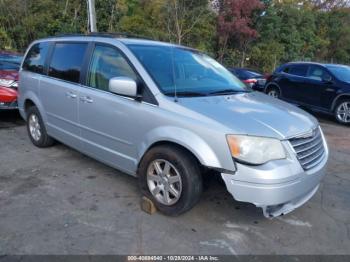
[{"x": 166, "y": 114}]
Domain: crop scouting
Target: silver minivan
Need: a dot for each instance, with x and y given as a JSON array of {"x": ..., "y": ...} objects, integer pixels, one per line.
[{"x": 167, "y": 114}]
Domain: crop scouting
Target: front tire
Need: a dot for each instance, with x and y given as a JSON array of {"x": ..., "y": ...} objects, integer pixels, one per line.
[
  {"x": 36, "y": 129},
  {"x": 273, "y": 91},
  {"x": 171, "y": 178},
  {"x": 342, "y": 111}
]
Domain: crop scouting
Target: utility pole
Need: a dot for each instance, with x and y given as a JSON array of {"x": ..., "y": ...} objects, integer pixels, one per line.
[{"x": 92, "y": 16}]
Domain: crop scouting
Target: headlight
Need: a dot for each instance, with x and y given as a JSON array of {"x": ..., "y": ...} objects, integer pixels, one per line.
[
  {"x": 255, "y": 150},
  {"x": 6, "y": 82}
]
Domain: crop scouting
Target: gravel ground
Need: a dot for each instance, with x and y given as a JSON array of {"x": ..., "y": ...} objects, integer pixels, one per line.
[{"x": 58, "y": 201}]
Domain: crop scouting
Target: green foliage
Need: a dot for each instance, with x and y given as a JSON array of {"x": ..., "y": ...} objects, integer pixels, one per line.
[
  {"x": 5, "y": 41},
  {"x": 338, "y": 36},
  {"x": 291, "y": 32},
  {"x": 27, "y": 20},
  {"x": 287, "y": 30},
  {"x": 266, "y": 55},
  {"x": 193, "y": 24},
  {"x": 144, "y": 19}
]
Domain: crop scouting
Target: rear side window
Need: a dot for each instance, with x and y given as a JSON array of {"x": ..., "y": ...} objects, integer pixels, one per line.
[
  {"x": 35, "y": 59},
  {"x": 298, "y": 70},
  {"x": 67, "y": 61}
]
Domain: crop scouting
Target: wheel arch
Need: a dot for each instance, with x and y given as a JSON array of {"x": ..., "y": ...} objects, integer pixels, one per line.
[
  {"x": 339, "y": 98},
  {"x": 180, "y": 138},
  {"x": 27, "y": 104},
  {"x": 272, "y": 84},
  {"x": 171, "y": 144},
  {"x": 32, "y": 100}
]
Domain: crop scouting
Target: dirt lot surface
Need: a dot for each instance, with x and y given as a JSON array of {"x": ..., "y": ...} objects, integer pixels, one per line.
[{"x": 58, "y": 201}]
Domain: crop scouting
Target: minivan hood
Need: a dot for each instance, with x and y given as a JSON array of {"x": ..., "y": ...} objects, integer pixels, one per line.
[{"x": 253, "y": 114}]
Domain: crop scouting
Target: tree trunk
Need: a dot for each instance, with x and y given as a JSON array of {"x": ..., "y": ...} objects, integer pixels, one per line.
[
  {"x": 243, "y": 58},
  {"x": 223, "y": 49},
  {"x": 65, "y": 8},
  {"x": 110, "y": 26}
]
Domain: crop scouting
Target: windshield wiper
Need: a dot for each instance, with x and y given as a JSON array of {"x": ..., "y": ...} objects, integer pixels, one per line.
[
  {"x": 227, "y": 92},
  {"x": 185, "y": 93}
]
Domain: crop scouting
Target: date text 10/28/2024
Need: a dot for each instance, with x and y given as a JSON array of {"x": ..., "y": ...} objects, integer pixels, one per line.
[{"x": 172, "y": 258}]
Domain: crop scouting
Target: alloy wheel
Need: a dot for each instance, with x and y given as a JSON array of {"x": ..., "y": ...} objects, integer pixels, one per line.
[
  {"x": 273, "y": 93},
  {"x": 164, "y": 182},
  {"x": 343, "y": 112},
  {"x": 34, "y": 127}
]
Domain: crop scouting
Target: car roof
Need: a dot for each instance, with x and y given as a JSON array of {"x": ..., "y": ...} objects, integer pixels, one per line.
[
  {"x": 304, "y": 63},
  {"x": 340, "y": 65},
  {"x": 312, "y": 63},
  {"x": 126, "y": 39}
]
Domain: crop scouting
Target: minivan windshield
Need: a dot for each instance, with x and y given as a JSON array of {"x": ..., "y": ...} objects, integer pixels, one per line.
[
  {"x": 191, "y": 72},
  {"x": 340, "y": 72}
]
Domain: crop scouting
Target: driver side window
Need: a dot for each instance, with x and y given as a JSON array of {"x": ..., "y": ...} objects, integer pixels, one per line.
[{"x": 107, "y": 62}]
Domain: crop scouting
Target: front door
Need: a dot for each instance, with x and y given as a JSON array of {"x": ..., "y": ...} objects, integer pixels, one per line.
[
  {"x": 319, "y": 88},
  {"x": 107, "y": 120}
]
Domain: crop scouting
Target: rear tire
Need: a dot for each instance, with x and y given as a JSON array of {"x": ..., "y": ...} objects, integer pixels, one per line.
[
  {"x": 36, "y": 129},
  {"x": 273, "y": 91},
  {"x": 173, "y": 175},
  {"x": 342, "y": 111}
]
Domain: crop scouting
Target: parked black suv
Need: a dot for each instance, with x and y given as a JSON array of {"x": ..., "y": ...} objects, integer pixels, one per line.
[{"x": 320, "y": 87}]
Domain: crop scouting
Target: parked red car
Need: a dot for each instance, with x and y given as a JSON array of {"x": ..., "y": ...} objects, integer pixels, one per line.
[{"x": 9, "y": 67}]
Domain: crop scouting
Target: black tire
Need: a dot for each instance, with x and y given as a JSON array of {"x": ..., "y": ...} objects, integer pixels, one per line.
[
  {"x": 44, "y": 139},
  {"x": 339, "y": 104},
  {"x": 272, "y": 89},
  {"x": 189, "y": 171}
]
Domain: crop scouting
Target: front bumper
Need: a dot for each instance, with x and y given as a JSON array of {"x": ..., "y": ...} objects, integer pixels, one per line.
[
  {"x": 8, "y": 105},
  {"x": 278, "y": 187},
  {"x": 259, "y": 88}
]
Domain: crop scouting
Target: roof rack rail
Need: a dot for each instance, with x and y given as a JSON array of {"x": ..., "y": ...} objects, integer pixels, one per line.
[{"x": 105, "y": 34}]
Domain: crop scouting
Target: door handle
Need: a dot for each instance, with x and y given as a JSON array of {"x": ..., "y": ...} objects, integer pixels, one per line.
[
  {"x": 71, "y": 95},
  {"x": 86, "y": 99}
]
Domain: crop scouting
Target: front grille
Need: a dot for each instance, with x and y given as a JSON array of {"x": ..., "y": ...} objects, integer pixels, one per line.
[{"x": 310, "y": 149}]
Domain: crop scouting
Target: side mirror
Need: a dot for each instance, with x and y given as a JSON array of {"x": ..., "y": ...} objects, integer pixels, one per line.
[{"x": 124, "y": 86}]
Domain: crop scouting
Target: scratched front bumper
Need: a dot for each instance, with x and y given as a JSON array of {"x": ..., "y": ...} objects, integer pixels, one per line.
[{"x": 278, "y": 187}]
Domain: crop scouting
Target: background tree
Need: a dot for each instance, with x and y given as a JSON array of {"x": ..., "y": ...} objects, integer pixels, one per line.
[
  {"x": 27, "y": 20},
  {"x": 252, "y": 33},
  {"x": 5, "y": 41},
  {"x": 182, "y": 16},
  {"x": 235, "y": 25},
  {"x": 188, "y": 22}
]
